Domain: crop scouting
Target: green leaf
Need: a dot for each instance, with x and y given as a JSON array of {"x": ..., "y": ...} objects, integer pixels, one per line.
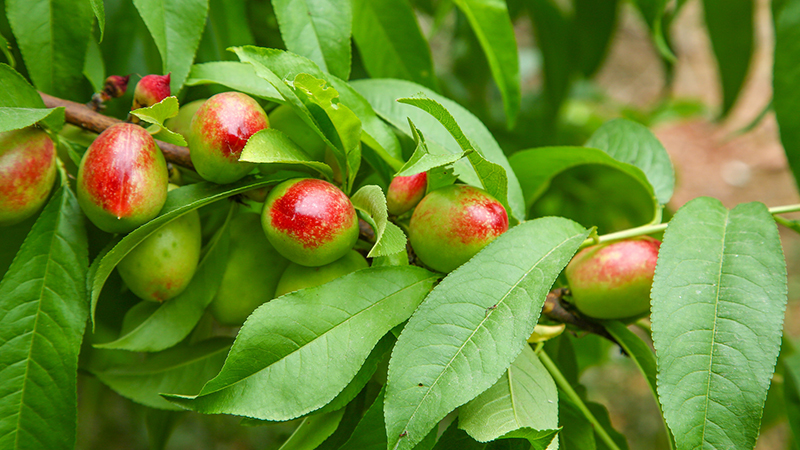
[
  {"x": 16, "y": 118},
  {"x": 390, "y": 41},
  {"x": 43, "y": 310},
  {"x": 577, "y": 432},
  {"x": 593, "y": 27},
  {"x": 389, "y": 238},
  {"x": 786, "y": 72},
  {"x": 536, "y": 168},
  {"x": 271, "y": 146},
  {"x": 100, "y": 13},
  {"x": 493, "y": 177},
  {"x": 179, "y": 202},
  {"x": 643, "y": 357},
  {"x": 52, "y": 36},
  {"x": 653, "y": 13},
  {"x": 473, "y": 326},
  {"x": 313, "y": 431},
  {"x": 321, "y": 336},
  {"x": 730, "y": 27},
  {"x": 554, "y": 38},
  {"x": 94, "y": 68},
  {"x": 600, "y": 412},
  {"x": 160, "y": 424},
  {"x": 157, "y": 114},
  {"x": 382, "y": 95},
  {"x": 318, "y": 30},
  {"x": 522, "y": 403},
  {"x": 634, "y": 144},
  {"x": 424, "y": 159},
  {"x": 718, "y": 302},
  {"x": 457, "y": 439},
  {"x": 791, "y": 392},
  {"x": 492, "y": 26},
  {"x": 235, "y": 75},
  {"x": 170, "y": 322},
  {"x": 182, "y": 369},
  {"x": 5, "y": 47},
  {"x": 276, "y": 65},
  {"x": 176, "y": 27},
  {"x": 17, "y": 92}
]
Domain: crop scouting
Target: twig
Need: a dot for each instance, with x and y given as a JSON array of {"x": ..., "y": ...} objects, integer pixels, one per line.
[{"x": 555, "y": 310}]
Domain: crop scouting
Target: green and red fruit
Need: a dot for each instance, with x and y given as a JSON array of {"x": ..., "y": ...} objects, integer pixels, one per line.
[
  {"x": 122, "y": 179},
  {"x": 450, "y": 225},
  {"x": 218, "y": 133},
  {"x": 613, "y": 281},
  {"x": 298, "y": 277},
  {"x": 284, "y": 119},
  {"x": 405, "y": 192},
  {"x": 182, "y": 123},
  {"x": 163, "y": 264},
  {"x": 310, "y": 222},
  {"x": 251, "y": 275},
  {"x": 150, "y": 90},
  {"x": 27, "y": 173}
]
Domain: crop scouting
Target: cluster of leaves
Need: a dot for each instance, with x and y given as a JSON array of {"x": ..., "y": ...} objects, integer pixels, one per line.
[{"x": 384, "y": 356}]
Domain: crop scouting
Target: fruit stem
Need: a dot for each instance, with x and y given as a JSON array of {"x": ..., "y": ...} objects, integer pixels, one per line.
[{"x": 564, "y": 385}]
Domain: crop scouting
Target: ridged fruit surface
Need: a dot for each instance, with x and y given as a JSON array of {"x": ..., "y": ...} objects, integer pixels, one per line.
[
  {"x": 218, "y": 133},
  {"x": 450, "y": 225},
  {"x": 406, "y": 192},
  {"x": 613, "y": 281},
  {"x": 122, "y": 179},
  {"x": 27, "y": 173},
  {"x": 310, "y": 222},
  {"x": 251, "y": 275},
  {"x": 298, "y": 277}
]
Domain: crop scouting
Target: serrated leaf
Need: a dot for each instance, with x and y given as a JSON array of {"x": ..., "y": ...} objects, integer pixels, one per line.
[
  {"x": 16, "y": 118},
  {"x": 170, "y": 322},
  {"x": 390, "y": 41},
  {"x": 382, "y": 95},
  {"x": 424, "y": 159},
  {"x": 176, "y": 27},
  {"x": 158, "y": 112},
  {"x": 313, "y": 431},
  {"x": 389, "y": 238},
  {"x": 633, "y": 143},
  {"x": 163, "y": 133},
  {"x": 17, "y": 92},
  {"x": 577, "y": 432},
  {"x": 473, "y": 325},
  {"x": 730, "y": 28},
  {"x": 718, "y": 302},
  {"x": 100, "y": 13},
  {"x": 43, "y": 310},
  {"x": 785, "y": 73},
  {"x": 235, "y": 75},
  {"x": 179, "y": 202},
  {"x": 52, "y": 36},
  {"x": 456, "y": 439},
  {"x": 320, "y": 335},
  {"x": 181, "y": 369},
  {"x": 272, "y": 146},
  {"x": 523, "y": 402},
  {"x": 318, "y": 30},
  {"x": 492, "y": 26}
]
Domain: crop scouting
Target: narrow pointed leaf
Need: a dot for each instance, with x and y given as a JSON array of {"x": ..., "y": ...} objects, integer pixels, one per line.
[
  {"x": 176, "y": 27},
  {"x": 786, "y": 72},
  {"x": 16, "y": 118},
  {"x": 43, "y": 311},
  {"x": 320, "y": 335},
  {"x": 271, "y": 146},
  {"x": 594, "y": 24},
  {"x": 424, "y": 158},
  {"x": 181, "y": 369},
  {"x": 17, "y": 92},
  {"x": 389, "y": 238},
  {"x": 235, "y": 75},
  {"x": 100, "y": 13},
  {"x": 94, "y": 68},
  {"x": 52, "y": 36},
  {"x": 718, "y": 302},
  {"x": 473, "y": 325},
  {"x": 554, "y": 36},
  {"x": 313, "y": 431},
  {"x": 318, "y": 30}
]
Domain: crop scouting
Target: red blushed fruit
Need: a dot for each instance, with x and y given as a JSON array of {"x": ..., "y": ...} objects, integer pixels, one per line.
[
  {"x": 450, "y": 225},
  {"x": 613, "y": 281},
  {"x": 405, "y": 192},
  {"x": 27, "y": 173},
  {"x": 122, "y": 180},
  {"x": 150, "y": 90},
  {"x": 309, "y": 221},
  {"x": 218, "y": 133}
]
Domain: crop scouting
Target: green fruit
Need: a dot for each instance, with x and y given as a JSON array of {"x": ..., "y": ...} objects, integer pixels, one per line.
[
  {"x": 122, "y": 179},
  {"x": 218, "y": 133},
  {"x": 251, "y": 275},
  {"x": 163, "y": 264},
  {"x": 613, "y": 281},
  {"x": 310, "y": 222},
  {"x": 284, "y": 119},
  {"x": 405, "y": 192},
  {"x": 182, "y": 123},
  {"x": 298, "y": 277},
  {"x": 27, "y": 173},
  {"x": 450, "y": 225}
]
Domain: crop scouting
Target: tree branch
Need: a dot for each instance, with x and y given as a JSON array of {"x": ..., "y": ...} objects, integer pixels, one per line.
[{"x": 84, "y": 117}]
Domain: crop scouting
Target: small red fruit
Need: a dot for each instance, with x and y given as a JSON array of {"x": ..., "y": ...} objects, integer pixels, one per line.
[
  {"x": 405, "y": 192},
  {"x": 613, "y": 281},
  {"x": 218, "y": 133},
  {"x": 27, "y": 173},
  {"x": 150, "y": 90},
  {"x": 309, "y": 221},
  {"x": 450, "y": 225},
  {"x": 122, "y": 179}
]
